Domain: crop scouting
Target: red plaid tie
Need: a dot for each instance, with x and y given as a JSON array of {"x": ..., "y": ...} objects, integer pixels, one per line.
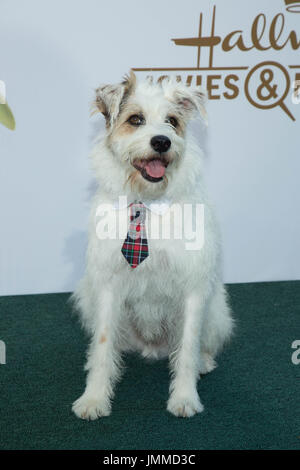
[{"x": 135, "y": 247}]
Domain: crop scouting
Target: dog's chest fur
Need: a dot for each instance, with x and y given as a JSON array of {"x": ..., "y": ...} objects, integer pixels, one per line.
[{"x": 153, "y": 292}]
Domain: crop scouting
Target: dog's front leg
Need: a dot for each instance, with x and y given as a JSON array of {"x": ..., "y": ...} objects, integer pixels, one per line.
[
  {"x": 184, "y": 399},
  {"x": 102, "y": 363}
]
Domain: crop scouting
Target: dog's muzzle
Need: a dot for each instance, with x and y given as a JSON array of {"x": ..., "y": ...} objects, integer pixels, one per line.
[
  {"x": 152, "y": 169},
  {"x": 160, "y": 143}
]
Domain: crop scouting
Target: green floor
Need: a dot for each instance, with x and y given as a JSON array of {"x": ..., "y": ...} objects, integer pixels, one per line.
[{"x": 251, "y": 400}]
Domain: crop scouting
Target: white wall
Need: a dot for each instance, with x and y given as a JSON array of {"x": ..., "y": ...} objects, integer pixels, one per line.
[{"x": 53, "y": 54}]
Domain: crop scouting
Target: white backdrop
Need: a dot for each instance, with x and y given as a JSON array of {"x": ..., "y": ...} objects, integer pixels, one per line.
[{"x": 54, "y": 53}]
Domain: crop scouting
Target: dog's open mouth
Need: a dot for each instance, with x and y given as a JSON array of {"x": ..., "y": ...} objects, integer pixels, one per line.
[{"x": 152, "y": 169}]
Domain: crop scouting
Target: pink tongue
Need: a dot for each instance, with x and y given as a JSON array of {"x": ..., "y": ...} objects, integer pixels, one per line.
[{"x": 155, "y": 168}]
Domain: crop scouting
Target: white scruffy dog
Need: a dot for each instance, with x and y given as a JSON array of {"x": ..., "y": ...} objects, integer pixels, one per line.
[{"x": 173, "y": 303}]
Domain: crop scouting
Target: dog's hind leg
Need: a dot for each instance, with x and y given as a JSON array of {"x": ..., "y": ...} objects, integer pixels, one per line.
[
  {"x": 103, "y": 360},
  {"x": 216, "y": 329}
]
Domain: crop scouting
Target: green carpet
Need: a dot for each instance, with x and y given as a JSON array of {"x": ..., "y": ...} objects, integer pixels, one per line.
[{"x": 251, "y": 400}]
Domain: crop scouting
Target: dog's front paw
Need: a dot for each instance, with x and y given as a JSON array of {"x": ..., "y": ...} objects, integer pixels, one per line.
[
  {"x": 184, "y": 406},
  {"x": 90, "y": 407}
]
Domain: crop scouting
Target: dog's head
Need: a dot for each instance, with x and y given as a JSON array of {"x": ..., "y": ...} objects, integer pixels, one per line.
[{"x": 146, "y": 125}]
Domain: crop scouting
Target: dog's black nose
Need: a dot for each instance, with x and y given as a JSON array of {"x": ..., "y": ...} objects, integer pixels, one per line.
[{"x": 160, "y": 143}]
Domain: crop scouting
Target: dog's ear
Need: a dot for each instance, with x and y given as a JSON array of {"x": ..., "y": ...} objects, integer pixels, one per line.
[
  {"x": 193, "y": 99},
  {"x": 110, "y": 98},
  {"x": 189, "y": 99}
]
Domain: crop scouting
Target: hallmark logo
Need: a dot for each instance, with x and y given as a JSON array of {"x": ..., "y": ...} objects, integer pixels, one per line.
[
  {"x": 293, "y": 6},
  {"x": 266, "y": 85}
]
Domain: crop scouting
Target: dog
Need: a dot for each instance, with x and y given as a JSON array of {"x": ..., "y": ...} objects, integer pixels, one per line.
[{"x": 169, "y": 302}]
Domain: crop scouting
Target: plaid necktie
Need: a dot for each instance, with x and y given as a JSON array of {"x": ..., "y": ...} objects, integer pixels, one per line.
[{"x": 135, "y": 247}]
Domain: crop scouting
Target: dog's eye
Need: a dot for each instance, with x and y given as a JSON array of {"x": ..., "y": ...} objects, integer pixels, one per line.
[
  {"x": 172, "y": 120},
  {"x": 136, "y": 120}
]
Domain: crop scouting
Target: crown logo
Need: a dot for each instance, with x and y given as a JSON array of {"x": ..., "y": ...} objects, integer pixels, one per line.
[{"x": 292, "y": 5}]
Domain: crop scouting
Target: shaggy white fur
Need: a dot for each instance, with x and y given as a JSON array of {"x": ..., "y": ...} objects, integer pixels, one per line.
[{"x": 174, "y": 303}]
